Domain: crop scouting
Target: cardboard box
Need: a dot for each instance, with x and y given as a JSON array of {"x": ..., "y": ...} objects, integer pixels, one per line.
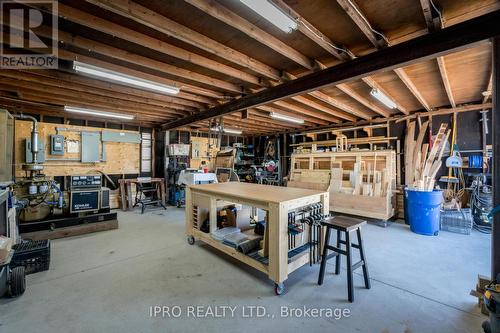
[{"x": 5, "y": 247}]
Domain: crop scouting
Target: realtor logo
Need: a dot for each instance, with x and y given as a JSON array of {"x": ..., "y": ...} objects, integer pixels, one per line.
[{"x": 29, "y": 34}]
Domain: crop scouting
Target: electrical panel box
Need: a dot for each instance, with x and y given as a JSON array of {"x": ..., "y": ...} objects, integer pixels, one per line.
[
  {"x": 41, "y": 151},
  {"x": 56, "y": 144},
  {"x": 91, "y": 143}
]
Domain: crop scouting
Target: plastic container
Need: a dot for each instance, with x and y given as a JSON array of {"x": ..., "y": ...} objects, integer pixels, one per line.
[
  {"x": 34, "y": 255},
  {"x": 424, "y": 211}
]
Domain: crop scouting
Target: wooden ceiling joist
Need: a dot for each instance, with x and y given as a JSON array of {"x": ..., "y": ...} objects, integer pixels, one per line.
[
  {"x": 221, "y": 13},
  {"x": 36, "y": 80},
  {"x": 401, "y": 73},
  {"x": 361, "y": 99},
  {"x": 428, "y": 46},
  {"x": 376, "y": 38},
  {"x": 108, "y": 100},
  {"x": 313, "y": 120},
  {"x": 119, "y": 31},
  {"x": 446, "y": 80},
  {"x": 432, "y": 20},
  {"x": 379, "y": 41},
  {"x": 190, "y": 92},
  {"x": 102, "y": 87},
  {"x": 150, "y": 18},
  {"x": 314, "y": 34}
]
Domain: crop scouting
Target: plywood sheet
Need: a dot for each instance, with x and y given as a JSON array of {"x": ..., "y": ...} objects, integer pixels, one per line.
[{"x": 121, "y": 158}]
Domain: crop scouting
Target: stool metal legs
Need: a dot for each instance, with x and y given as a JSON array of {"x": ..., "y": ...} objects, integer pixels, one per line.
[{"x": 324, "y": 258}]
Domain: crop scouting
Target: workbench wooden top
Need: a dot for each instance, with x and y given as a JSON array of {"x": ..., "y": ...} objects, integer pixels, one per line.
[{"x": 255, "y": 192}]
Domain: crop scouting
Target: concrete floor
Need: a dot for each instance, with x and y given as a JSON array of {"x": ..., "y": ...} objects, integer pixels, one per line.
[{"x": 107, "y": 282}]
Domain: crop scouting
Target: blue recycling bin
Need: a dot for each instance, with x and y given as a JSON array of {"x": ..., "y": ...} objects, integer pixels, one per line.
[{"x": 424, "y": 211}]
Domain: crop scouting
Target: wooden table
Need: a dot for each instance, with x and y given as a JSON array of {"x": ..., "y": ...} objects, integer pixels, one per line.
[
  {"x": 126, "y": 191},
  {"x": 276, "y": 201}
]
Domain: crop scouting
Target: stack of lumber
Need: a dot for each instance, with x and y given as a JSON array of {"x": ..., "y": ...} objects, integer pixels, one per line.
[
  {"x": 365, "y": 180},
  {"x": 422, "y": 165},
  {"x": 360, "y": 182}
]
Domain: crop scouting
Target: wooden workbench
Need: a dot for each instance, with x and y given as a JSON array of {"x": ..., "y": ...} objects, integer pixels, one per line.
[{"x": 277, "y": 201}]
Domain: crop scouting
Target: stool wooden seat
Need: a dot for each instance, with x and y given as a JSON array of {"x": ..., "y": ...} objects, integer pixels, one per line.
[{"x": 346, "y": 225}]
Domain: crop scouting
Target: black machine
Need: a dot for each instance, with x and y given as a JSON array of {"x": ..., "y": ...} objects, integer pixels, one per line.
[
  {"x": 85, "y": 201},
  {"x": 269, "y": 170},
  {"x": 12, "y": 279}
]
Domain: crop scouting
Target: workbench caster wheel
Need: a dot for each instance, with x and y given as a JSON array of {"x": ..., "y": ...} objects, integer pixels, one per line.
[
  {"x": 279, "y": 288},
  {"x": 17, "y": 281},
  {"x": 190, "y": 240},
  {"x": 52, "y": 226}
]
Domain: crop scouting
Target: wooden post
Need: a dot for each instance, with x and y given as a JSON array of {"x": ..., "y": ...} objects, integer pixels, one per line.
[
  {"x": 495, "y": 235},
  {"x": 278, "y": 243}
]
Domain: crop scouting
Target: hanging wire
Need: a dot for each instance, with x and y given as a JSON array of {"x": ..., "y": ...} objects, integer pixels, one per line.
[
  {"x": 437, "y": 10},
  {"x": 352, "y": 55},
  {"x": 368, "y": 23}
]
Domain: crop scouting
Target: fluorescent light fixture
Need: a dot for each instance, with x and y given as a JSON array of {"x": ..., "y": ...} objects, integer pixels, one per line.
[
  {"x": 98, "y": 113},
  {"x": 286, "y": 118},
  {"x": 383, "y": 98},
  {"x": 110, "y": 75},
  {"x": 272, "y": 13},
  {"x": 227, "y": 130}
]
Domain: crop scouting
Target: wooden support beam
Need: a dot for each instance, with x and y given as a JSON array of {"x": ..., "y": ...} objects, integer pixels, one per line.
[
  {"x": 119, "y": 31},
  {"x": 23, "y": 86},
  {"x": 401, "y": 73},
  {"x": 188, "y": 91},
  {"x": 312, "y": 104},
  {"x": 153, "y": 20},
  {"x": 349, "y": 91},
  {"x": 102, "y": 87},
  {"x": 362, "y": 23},
  {"x": 379, "y": 41},
  {"x": 370, "y": 81},
  {"x": 298, "y": 109},
  {"x": 223, "y": 14},
  {"x": 446, "y": 80},
  {"x": 340, "y": 105},
  {"x": 46, "y": 81},
  {"x": 180, "y": 74},
  {"x": 432, "y": 19},
  {"x": 314, "y": 120},
  {"x": 450, "y": 39}
]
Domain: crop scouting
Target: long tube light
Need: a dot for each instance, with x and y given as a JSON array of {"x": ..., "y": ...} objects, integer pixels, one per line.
[
  {"x": 227, "y": 130},
  {"x": 98, "y": 113},
  {"x": 273, "y": 14},
  {"x": 110, "y": 75},
  {"x": 383, "y": 98},
  {"x": 286, "y": 118}
]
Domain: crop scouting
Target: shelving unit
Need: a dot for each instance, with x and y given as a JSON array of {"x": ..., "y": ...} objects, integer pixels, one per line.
[{"x": 360, "y": 182}]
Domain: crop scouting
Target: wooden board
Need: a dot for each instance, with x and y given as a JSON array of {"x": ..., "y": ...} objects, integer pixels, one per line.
[
  {"x": 255, "y": 192},
  {"x": 71, "y": 231},
  {"x": 121, "y": 158}
]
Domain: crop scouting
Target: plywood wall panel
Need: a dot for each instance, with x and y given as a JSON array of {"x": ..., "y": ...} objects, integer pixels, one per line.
[{"x": 121, "y": 158}]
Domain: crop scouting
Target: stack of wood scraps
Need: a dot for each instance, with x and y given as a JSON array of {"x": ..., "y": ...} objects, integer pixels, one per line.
[{"x": 422, "y": 165}]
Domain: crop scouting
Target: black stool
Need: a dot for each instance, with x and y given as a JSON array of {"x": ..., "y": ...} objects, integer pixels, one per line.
[{"x": 344, "y": 224}]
